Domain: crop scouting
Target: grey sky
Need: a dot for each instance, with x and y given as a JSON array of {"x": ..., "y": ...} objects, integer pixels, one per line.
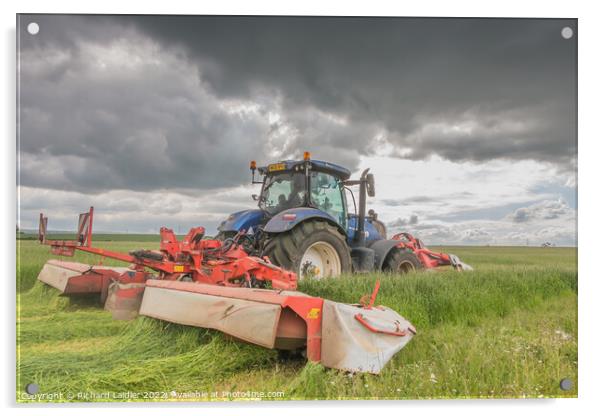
[{"x": 154, "y": 119}]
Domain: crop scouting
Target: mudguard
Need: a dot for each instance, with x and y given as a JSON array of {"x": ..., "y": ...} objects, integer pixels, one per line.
[
  {"x": 242, "y": 220},
  {"x": 287, "y": 219},
  {"x": 381, "y": 249}
]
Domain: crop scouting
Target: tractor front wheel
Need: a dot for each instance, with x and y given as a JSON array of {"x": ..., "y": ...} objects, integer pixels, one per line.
[
  {"x": 401, "y": 261},
  {"x": 313, "y": 249}
]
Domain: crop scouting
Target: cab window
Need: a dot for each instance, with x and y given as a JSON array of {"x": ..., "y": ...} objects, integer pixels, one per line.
[
  {"x": 327, "y": 195},
  {"x": 283, "y": 191}
]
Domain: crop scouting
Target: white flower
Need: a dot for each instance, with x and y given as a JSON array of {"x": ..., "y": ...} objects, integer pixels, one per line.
[{"x": 563, "y": 335}]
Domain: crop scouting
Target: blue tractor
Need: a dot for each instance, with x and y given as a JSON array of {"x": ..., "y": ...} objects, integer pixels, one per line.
[{"x": 304, "y": 222}]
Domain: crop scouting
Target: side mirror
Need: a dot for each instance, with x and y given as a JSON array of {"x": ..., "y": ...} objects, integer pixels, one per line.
[{"x": 370, "y": 185}]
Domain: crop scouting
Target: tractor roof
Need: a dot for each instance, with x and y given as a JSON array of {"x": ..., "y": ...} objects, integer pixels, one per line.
[{"x": 319, "y": 165}]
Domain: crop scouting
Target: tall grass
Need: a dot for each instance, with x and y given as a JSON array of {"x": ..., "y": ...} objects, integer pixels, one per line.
[
  {"x": 450, "y": 297},
  {"x": 506, "y": 330}
]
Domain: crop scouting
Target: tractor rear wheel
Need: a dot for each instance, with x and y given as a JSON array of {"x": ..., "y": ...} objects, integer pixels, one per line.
[
  {"x": 401, "y": 261},
  {"x": 313, "y": 249}
]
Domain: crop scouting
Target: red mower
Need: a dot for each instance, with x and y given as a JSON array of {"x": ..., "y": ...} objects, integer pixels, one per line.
[{"x": 215, "y": 284}]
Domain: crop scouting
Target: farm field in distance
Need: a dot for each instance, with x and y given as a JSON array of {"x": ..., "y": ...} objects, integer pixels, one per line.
[{"x": 508, "y": 329}]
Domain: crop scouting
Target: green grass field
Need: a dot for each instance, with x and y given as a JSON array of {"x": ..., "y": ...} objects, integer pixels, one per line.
[{"x": 508, "y": 329}]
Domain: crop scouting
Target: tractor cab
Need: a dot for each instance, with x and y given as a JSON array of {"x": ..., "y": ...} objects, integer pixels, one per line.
[{"x": 308, "y": 183}]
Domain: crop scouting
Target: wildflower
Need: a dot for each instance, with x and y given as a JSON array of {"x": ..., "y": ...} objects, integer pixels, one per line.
[{"x": 563, "y": 335}]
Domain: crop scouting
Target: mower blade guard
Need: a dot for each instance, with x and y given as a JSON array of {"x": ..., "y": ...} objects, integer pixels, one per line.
[
  {"x": 459, "y": 264},
  {"x": 362, "y": 340},
  {"x": 72, "y": 278},
  {"x": 251, "y": 315},
  {"x": 284, "y": 320},
  {"x": 124, "y": 299}
]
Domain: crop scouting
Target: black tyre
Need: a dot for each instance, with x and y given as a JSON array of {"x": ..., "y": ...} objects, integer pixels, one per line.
[
  {"x": 401, "y": 261},
  {"x": 313, "y": 249}
]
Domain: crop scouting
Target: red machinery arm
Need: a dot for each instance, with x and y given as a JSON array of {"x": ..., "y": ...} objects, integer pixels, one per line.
[
  {"x": 429, "y": 258},
  {"x": 84, "y": 231},
  {"x": 83, "y": 242},
  {"x": 207, "y": 261}
]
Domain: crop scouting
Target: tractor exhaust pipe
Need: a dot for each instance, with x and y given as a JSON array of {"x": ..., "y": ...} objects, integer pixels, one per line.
[
  {"x": 366, "y": 183},
  {"x": 360, "y": 235}
]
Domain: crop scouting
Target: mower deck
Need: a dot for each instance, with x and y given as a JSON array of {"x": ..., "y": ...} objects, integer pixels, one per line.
[
  {"x": 347, "y": 337},
  {"x": 72, "y": 278}
]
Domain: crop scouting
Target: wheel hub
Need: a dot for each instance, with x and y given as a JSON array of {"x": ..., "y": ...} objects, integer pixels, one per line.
[
  {"x": 406, "y": 267},
  {"x": 320, "y": 260},
  {"x": 309, "y": 269}
]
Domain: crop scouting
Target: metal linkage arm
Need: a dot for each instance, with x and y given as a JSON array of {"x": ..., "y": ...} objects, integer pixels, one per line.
[{"x": 67, "y": 247}]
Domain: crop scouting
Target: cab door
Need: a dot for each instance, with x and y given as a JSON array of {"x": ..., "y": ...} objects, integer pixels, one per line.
[{"x": 327, "y": 195}]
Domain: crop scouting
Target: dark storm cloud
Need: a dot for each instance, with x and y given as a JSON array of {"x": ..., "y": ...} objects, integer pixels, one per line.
[
  {"x": 465, "y": 89},
  {"x": 154, "y": 102},
  {"x": 102, "y": 112}
]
